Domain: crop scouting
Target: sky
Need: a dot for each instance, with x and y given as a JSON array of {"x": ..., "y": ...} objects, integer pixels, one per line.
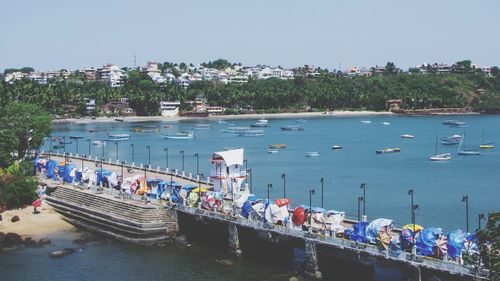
[{"x": 71, "y": 34}]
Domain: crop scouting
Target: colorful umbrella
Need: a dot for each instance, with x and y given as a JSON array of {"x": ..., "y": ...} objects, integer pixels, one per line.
[{"x": 37, "y": 203}]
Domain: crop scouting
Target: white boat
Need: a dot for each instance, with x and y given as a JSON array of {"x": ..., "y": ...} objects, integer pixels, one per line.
[
  {"x": 202, "y": 126},
  {"x": 117, "y": 137},
  {"x": 388, "y": 150},
  {"x": 235, "y": 129},
  {"x": 221, "y": 121},
  {"x": 440, "y": 157},
  {"x": 99, "y": 142},
  {"x": 386, "y": 123},
  {"x": 366, "y": 121},
  {"x": 251, "y": 133},
  {"x": 180, "y": 136},
  {"x": 260, "y": 124},
  {"x": 272, "y": 151},
  {"x": 312, "y": 154},
  {"x": 336, "y": 147},
  {"x": 455, "y": 139},
  {"x": 292, "y": 128},
  {"x": 465, "y": 151},
  {"x": 301, "y": 121},
  {"x": 407, "y": 136},
  {"x": 262, "y": 121}
]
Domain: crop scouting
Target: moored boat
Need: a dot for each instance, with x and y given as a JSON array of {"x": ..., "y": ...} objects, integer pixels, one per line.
[
  {"x": 251, "y": 133},
  {"x": 441, "y": 157},
  {"x": 464, "y": 151},
  {"x": 486, "y": 145},
  {"x": 455, "y": 139},
  {"x": 386, "y": 123},
  {"x": 277, "y": 146},
  {"x": 180, "y": 136},
  {"x": 117, "y": 137},
  {"x": 260, "y": 124},
  {"x": 202, "y": 126},
  {"x": 388, "y": 150},
  {"x": 366, "y": 121},
  {"x": 312, "y": 154},
  {"x": 450, "y": 122},
  {"x": 99, "y": 142},
  {"x": 75, "y": 137},
  {"x": 119, "y": 119},
  {"x": 292, "y": 128},
  {"x": 272, "y": 151},
  {"x": 235, "y": 129},
  {"x": 94, "y": 130},
  {"x": 407, "y": 136},
  {"x": 336, "y": 147}
]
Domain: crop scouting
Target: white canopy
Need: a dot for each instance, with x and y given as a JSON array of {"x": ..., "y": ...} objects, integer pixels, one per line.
[{"x": 232, "y": 157}]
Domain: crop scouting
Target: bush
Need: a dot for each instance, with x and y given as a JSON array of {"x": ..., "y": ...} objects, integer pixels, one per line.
[{"x": 16, "y": 191}]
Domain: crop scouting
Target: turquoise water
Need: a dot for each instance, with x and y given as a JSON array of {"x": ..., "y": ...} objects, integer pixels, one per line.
[{"x": 439, "y": 187}]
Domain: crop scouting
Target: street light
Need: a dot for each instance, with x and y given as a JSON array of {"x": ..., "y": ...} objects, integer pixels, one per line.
[
  {"x": 363, "y": 186},
  {"x": 50, "y": 146},
  {"x": 269, "y": 186},
  {"x": 480, "y": 217},
  {"x": 311, "y": 193},
  {"x": 182, "y": 152},
  {"x": 166, "y": 156},
  {"x": 116, "y": 143},
  {"x": 283, "y": 176},
  {"x": 64, "y": 144},
  {"x": 76, "y": 139},
  {"x": 88, "y": 140},
  {"x": 83, "y": 158},
  {"x": 197, "y": 163},
  {"x": 249, "y": 171},
  {"x": 322, "y": 180},
  {"x": 149, "y": 160},
  {"x": 413, "y": 209},
  {"x": 360, "y": 199},
  {"x": 410, "y": 192},
  {"x": 132, "y": 146},
  {"x": 465, "y": 199},
  {"x": 123, "y": 164}
]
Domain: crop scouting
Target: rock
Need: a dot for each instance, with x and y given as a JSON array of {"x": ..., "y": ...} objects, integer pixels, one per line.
[
  {"x": 15, "y": 218},
  {"x": 181, "y": 240},
  {"x": 30, "y": 242},
  {"x": 227, "y": 262},
  {"x": 11, "y": 239},
  {"x": 62, "y": 253},
  {"x": 81, "y": 241},
  {"x": 44, "y": 241}
]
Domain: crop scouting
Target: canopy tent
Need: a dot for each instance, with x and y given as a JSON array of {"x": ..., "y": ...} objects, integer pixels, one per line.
[
  {"x": 376, "y": 226},
  {"x": 456, "y": 241},
  {"x": 417, "y": 229},
  {"x": 358, "y": 233},
  {"x": 427, "y": 239},
  {"x": 231, "y": 157},
  {"x": 275, "y": 213},
  {"x": 299, "y": 216}
]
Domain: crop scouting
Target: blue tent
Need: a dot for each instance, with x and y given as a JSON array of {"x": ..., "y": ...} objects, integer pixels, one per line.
[
  {"x": 50, "y": 166},
  {"x": 246, "y": 209},
  {"x": 99, "y": 177},
  {"x": 67, "y": 171},
  {"x": 456, "y": 241},
  {"x": 313, "y": 209},
  {"x": 359, "y": 232},
  {"x": 427, "y": 239},
  {"x": 176, "y": 197},
  {"x": 60, "y": 170},
  {"x": 162, "y": 185}
]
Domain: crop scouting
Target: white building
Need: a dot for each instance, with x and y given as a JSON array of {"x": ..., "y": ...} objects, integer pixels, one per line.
[
  {"x": 13, "y": 76},
  {"x": 169, "y": 108},
  {"x": 90, "y": 105},
  {"x": 111, "y": 74},
  {"x": 228, "y": 173},
  {"x": 39, "y": 77}
]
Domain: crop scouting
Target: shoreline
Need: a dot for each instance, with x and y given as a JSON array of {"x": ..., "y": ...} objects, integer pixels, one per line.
[
  {"x": 46, "y": 224},
  {"x": 297, "y": 115}
]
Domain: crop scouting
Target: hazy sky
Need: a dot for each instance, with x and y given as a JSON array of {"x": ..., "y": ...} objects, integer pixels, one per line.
[{"x": 55, "y": 34}]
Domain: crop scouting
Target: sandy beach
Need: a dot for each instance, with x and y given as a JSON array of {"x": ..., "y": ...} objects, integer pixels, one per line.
[
  {"x": 46, "y": 224},
  {"x": 87, "y": 120}
]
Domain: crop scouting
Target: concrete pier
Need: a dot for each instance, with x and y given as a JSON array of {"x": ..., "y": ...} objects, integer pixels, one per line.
[
  {"x": 311, "y": 260},
  {"x": 234, "y": 240}
]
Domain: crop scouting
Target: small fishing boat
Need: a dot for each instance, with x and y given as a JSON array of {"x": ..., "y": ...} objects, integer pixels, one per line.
[
  {"x": 119, "y": 119},
  {"x": 336, "y": 147},
  {"x": 146, "y": 129},
  {"x": 386, "y": 123},
  {"x": 450, "y": 122},
  {"x": 202, "y": 126},
  {"x": 407, "y": 136},
  {"x": 221, "y": 121},
  {"x": 486, "y": 145},
  {"x": 99, "y": 142},
  {"x": 277, "y": 146},
  {"x": 272, "y": 151},
  {"x": 465, "y": 151},
  {"x": 94, "y": 130},
  {"x": 166, "y": 126},
  {"x": 292, "y": 128},
  {"x": 301, "y": 121},
  {"x": 57, "y": 146},
  {"x": 260, "y": 124},
  {"x": 366, "y": 121},
  {"x": 312, "y": 154},
  {"x": 455, "y": 139},
  {"x": 65, "y": 142},
  {"x": 75, "y": 137},
  {"x": 388, "y": 150},
  {"x": 459, "y": 125},
  {"x": 180, "y": 136},
  {"x": 117, "y": 137},
  {"x": 440, "y": 157},
  {"x": 235, "y": 129},
  {"x": 251, "y": 133},
  {"x": 262, "y": 121}
]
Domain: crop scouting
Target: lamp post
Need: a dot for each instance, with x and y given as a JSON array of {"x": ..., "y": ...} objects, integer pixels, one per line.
[
  {"x": 410, "y": 192},
  {"x": 269, "y": 186},
  {"x": 50, "y": 146},
  {"x": 64, "y": 144},
  {"x": 283, "y": 176},
  {"x": 116, "y": 144},
  {"x": 123, "y": 164},
  {"x": 465, "y": 199},
  {"x": 83, "y": 158},
  {"x": 311, "y": 193},
  {"x": 149, "y": 160},
  {"x": 76, "y": 145},
  {"x": 197, "y": 163},
  {"x": 132, "y": 146},
  {"x": 166, "y": 156},
  {"x": 360, "y": 199},
  {"x": 363, "y": 186},
  {"x": 249, "y": 171},
  {"x": 480, "y": 217},
  {"x": 88, "y": 140},
  {"x": 245, "y": 162},
  {"x": 322, "y": 180},
  {"x": 414, "y": 218},
  {"x": 182, "y": 152}
]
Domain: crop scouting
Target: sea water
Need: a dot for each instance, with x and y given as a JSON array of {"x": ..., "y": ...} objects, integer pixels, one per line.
[{"x": 438, "y": 186}]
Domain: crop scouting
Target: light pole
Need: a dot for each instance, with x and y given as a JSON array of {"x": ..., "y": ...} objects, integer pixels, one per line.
[
  {"x": 83, "y": 158},
  {"x": 133, "y": 158},
  {"x": 102, "y": 160},
  {"x": 123, "y": 164},
  {"x": 149, "y": 160},
  {"x": 166, "y": 156},
  {"x": 360, "y": 199},
  {"x": 50, "y": 146},
  {"x": 249, "y": 171},
  {"x": 116, "y": 143},
  {"x": 311, "y": 193},
  {"x": 64, "y": 144},
  {"x": 480, "y": 217},
  {"x": 363, "y": 186},
  {"x": 283, "y": 176},
  {"x": 88, "y": 140},
  {"x": 465, "y": 199},
  {"x": 269, "y": 186},
  {"x": 197, "y": 163},
  {"x": 322, "y": 180},
  {"x": 76, "y": 139},
  {"x": 182, "y": 152},
  {"x": 412, "y": 215}
]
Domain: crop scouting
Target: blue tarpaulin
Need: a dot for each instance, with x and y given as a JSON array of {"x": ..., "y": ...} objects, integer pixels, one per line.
[
  {"x": 456, "y": 241},
  {"x": 50, "y": 166},
  {"x": 67, "y": 170},
  {"x": 427, "y": 239},
  {"x": 246, "y": 209},
  {"x": 359, "y": 232}
]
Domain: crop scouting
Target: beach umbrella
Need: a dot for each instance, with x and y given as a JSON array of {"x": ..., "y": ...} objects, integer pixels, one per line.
[
  {"x": 37, "y": 203},
  {"x": 299, "y": 216},
  {"x": 417, "y": 229},
  {"x": 383, "y": 240},
  {"x": 282, "y": 201}
]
